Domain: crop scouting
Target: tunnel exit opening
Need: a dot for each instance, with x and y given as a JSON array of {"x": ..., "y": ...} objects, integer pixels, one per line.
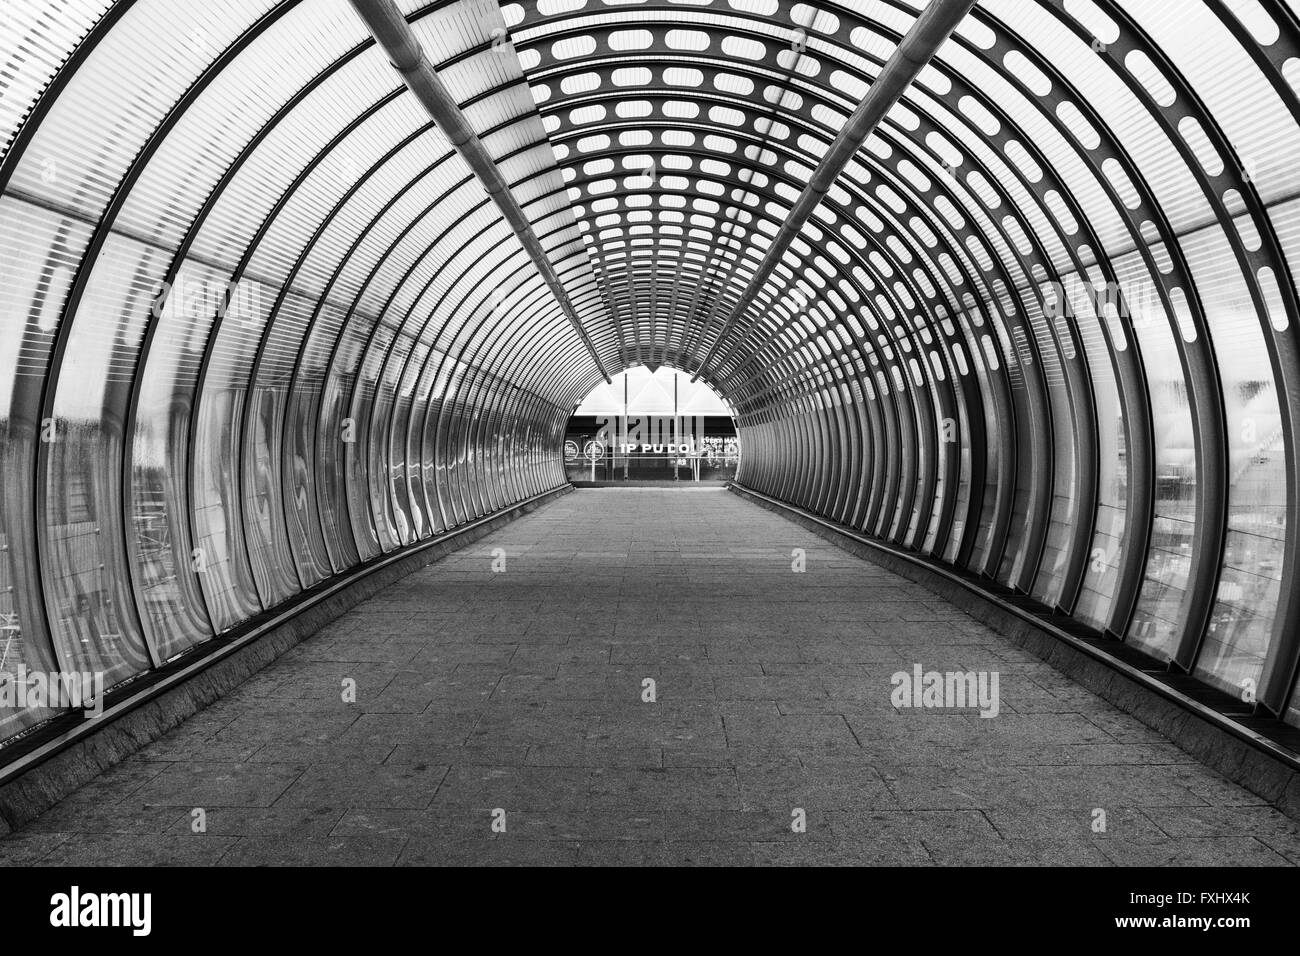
[{"x": 652, "y": 425}]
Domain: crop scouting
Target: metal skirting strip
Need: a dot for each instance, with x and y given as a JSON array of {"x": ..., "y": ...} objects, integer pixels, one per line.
[
  {"x": 649, "y": 483},
  {"x": 1261, "y": 754},
  {"x": 107, "y": 739}
]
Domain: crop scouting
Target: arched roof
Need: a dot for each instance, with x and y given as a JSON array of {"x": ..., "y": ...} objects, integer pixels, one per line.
[{"x": 1042, "y": 327}]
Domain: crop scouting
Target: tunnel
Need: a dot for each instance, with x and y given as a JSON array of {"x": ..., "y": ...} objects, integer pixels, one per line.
[{"x": 303, "y": 300}]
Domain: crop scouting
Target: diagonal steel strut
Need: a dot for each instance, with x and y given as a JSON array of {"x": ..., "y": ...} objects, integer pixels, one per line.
[
  {"x": 395, "y": 37},
  {"x": 931, "y": 29}
]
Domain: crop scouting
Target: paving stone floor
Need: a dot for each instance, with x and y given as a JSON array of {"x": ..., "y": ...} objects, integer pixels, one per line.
[{"x": 521, "y": 691}]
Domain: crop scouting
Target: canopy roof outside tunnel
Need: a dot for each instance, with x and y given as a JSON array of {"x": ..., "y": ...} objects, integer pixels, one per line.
[
  {"x": 664, "y": 391},
  {"x": 262, "y": 322}
]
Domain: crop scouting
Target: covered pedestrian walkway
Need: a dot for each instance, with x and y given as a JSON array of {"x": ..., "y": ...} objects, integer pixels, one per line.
[
  {"x": 301, "y": 300},
  {"x": 522, "y": 690}
]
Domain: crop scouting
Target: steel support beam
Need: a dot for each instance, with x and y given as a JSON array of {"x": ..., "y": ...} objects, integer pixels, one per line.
[
  {"x": 931, "y": 29},
  {"x": 395, "y": 37}
]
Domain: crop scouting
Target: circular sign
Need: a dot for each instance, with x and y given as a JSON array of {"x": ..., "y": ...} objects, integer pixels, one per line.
[
  {"x": 570, "y": 449},
  {"x": 594, "y": 450}
]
